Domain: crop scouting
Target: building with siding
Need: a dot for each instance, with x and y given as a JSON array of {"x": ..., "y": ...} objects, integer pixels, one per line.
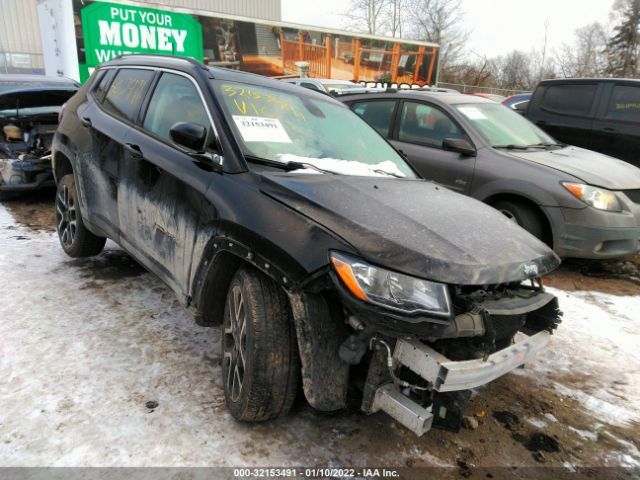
[{"x": 21, "y": 49}]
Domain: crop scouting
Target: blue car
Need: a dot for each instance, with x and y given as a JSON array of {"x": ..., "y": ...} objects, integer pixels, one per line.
[{"x": 518, "y": 102}]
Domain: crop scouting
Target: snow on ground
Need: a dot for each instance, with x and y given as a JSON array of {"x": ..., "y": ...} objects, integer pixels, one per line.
[
  {"x": 86, "y": 344},
  {"x": 597, "y": 347}
]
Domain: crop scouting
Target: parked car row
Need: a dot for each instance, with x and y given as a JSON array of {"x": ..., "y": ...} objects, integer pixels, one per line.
[
  {"x": 337, "y": 242},
  {"x": 581, "y": 203},
  {"x": 278, "y": 213}
]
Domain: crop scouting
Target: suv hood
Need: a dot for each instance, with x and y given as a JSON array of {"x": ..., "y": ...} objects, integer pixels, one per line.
[
  {"x": 591, "y": 167},
  {"x": 416, "y": 227}
]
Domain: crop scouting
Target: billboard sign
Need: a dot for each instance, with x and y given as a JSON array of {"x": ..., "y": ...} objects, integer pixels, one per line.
[
  {"x": 105, "y": 30},
  {"x": 110, "y": 30}
]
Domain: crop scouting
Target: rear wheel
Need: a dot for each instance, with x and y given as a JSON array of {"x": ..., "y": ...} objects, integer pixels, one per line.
[
  {"x": 74, "y": 237},
  {"x": 525, "y": 215},
  {"x": 260, "y": 366}
]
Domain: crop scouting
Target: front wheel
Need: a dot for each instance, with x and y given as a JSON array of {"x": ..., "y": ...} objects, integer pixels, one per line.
[
  {"x": 523, "y": 214},
  {"x": 74, "y": 237},
  {"x": 260, "y": 366}
]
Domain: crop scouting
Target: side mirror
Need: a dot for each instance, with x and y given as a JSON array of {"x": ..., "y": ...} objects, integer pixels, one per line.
[
  {"x": 459, "y": 145},
  {"x": 189, "y": 135}
]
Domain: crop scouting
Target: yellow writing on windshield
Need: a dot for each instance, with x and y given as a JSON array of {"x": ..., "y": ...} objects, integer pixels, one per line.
[{"x": 248, "y": 101}]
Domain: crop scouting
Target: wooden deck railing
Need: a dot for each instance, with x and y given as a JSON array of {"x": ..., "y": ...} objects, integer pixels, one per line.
[{"x": 319, "y": 58}]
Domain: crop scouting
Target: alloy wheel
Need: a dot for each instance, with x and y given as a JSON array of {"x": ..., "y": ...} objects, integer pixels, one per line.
[
  {"x": 235, "y": 343},
  {"x": 66, "y": 216}
]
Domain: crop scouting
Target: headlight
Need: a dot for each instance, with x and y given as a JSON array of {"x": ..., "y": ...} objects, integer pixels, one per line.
[
  {"x": 390, "y": 289},
  {"x": 596, "y": 197}
]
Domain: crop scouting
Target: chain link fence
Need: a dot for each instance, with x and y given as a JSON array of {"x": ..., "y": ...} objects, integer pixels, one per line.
[{"x": 462, "y": 88}]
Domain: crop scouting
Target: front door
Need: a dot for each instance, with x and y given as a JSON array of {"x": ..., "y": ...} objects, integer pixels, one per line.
[
  {"x": 163, "y": 188},
  {"x": 616, "y": 129},
  {"x": 419, "y": 133}
]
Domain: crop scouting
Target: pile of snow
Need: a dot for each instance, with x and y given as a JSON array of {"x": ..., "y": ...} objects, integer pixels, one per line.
[{"x": 345, "y": 167}]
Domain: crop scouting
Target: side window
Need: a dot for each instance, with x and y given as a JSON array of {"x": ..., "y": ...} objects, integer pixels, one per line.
[
  {"x": 175, "y": 99},
  {"x": 103, "y": 83},
  {"x": 569, "y": 99},
  {"x": 624, "y": 104},
  {"x": 378, "y": 114},
  {"x": 126, "y": 92},
  {"x": 420, "y": 123}
]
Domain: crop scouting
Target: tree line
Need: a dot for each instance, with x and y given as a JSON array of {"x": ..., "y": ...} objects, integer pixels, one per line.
[{"x": 600, "y": 49}]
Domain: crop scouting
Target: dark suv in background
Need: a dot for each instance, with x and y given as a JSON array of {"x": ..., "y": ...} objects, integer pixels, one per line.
[
  {"x": 598, "y": 114},
  {"x": 278, "y": 213}
]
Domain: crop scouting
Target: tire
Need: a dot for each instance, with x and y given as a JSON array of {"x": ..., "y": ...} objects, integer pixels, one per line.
[
  {"x": 525, "y": 215},
  {"x": 260, "y": 365},
  {"x": 75, "y": 239}
]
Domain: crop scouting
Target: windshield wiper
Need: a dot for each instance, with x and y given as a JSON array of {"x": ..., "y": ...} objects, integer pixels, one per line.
[
  {"x": 302, "y": 165},
  {"x": 388, "y": 173},
  {"x": 546, "y": 145},
  {"x": 288, "y": 166},
  {"x": 511, "y": 147}
]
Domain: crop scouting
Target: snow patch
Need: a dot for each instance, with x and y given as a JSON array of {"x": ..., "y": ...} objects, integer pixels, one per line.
[{"x": 346, "y": 167}]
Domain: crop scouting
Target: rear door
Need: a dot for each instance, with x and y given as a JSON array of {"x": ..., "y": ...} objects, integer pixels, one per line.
[
  {"x": 164, "y": 183},
  {"x": 616, "y": 129},
  {"x": 565, "y": 111},
  {"x": 112, "y": 108},
  {"x": 419, "y": 130}
]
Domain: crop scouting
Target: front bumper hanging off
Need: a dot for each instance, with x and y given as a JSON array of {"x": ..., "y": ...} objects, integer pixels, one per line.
[{"x": 445, "y": 375}]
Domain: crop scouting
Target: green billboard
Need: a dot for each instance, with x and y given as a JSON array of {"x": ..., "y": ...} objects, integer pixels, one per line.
[{"x": 112, "y": 29}]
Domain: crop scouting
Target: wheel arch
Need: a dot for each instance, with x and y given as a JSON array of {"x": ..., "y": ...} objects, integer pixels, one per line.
[{"x": 547, "y": 224}]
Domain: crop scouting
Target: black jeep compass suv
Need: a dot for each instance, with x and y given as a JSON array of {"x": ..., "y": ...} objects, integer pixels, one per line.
[{"x": 279, "y": 214}]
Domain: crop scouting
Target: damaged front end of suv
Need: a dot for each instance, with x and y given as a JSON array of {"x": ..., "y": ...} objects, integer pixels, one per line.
[
  {"x": 29, "y": 108},
  {"x": 434, "y": 306}
]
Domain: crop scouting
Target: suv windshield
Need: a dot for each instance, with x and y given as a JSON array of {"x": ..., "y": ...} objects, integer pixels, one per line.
[
  {"x": 281, "y": 126},
  {"x": 501, "y": 127}
]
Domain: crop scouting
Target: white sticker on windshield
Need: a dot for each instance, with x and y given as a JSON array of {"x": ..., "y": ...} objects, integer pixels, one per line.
[
  {"x": 472, "y": 113},
  {"x": 261, "y": 129}
]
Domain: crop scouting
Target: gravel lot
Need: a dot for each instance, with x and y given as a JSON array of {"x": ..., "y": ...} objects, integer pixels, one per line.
[{"x": 100, "y": 366}]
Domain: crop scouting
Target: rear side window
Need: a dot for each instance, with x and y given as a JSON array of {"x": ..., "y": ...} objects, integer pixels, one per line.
[
  {"x": 102, "y": 85},
  {"x": 127, "y": 91},
  {"x": 569, "y": 99},
  {"x": 175, "y": 99},
  {"x": 624, "y": 104},
  {"x": 378, "y": 114}
]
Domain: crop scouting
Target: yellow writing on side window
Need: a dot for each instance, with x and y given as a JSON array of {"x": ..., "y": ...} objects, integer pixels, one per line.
[
  {"x": 627, "y": 106},
  {"x": 254, "y": 102},
  {"x": 130, "y": 89}
]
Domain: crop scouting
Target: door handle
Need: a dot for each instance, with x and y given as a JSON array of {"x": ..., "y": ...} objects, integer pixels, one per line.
[
  {"x": 541, "y": 122},
  {"x": 609, "y": 129},
  {"x": 134, "y": 150},
  {"x": 86, "y": 121}
]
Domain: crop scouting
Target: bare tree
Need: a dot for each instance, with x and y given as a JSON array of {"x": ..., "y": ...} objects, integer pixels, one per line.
[
  {"x": 367, "y": 15},
  {"x": 439, "y": 21},
  {"x": 586, "y": 56},
  {"x": 543, "y": 53},
  {"x": 514, "y": 71},
  {"x": 397, "y": 17}
]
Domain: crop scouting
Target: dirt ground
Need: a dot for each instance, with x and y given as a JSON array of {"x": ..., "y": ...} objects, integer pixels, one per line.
[{"x": 102, "y": 367}]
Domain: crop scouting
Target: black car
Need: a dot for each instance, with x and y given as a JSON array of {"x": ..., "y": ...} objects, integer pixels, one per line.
[
  {"x": 598, "y": 114},
  {"x": 279, "y": 214},
  {"x": 29, "y": 107}
]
